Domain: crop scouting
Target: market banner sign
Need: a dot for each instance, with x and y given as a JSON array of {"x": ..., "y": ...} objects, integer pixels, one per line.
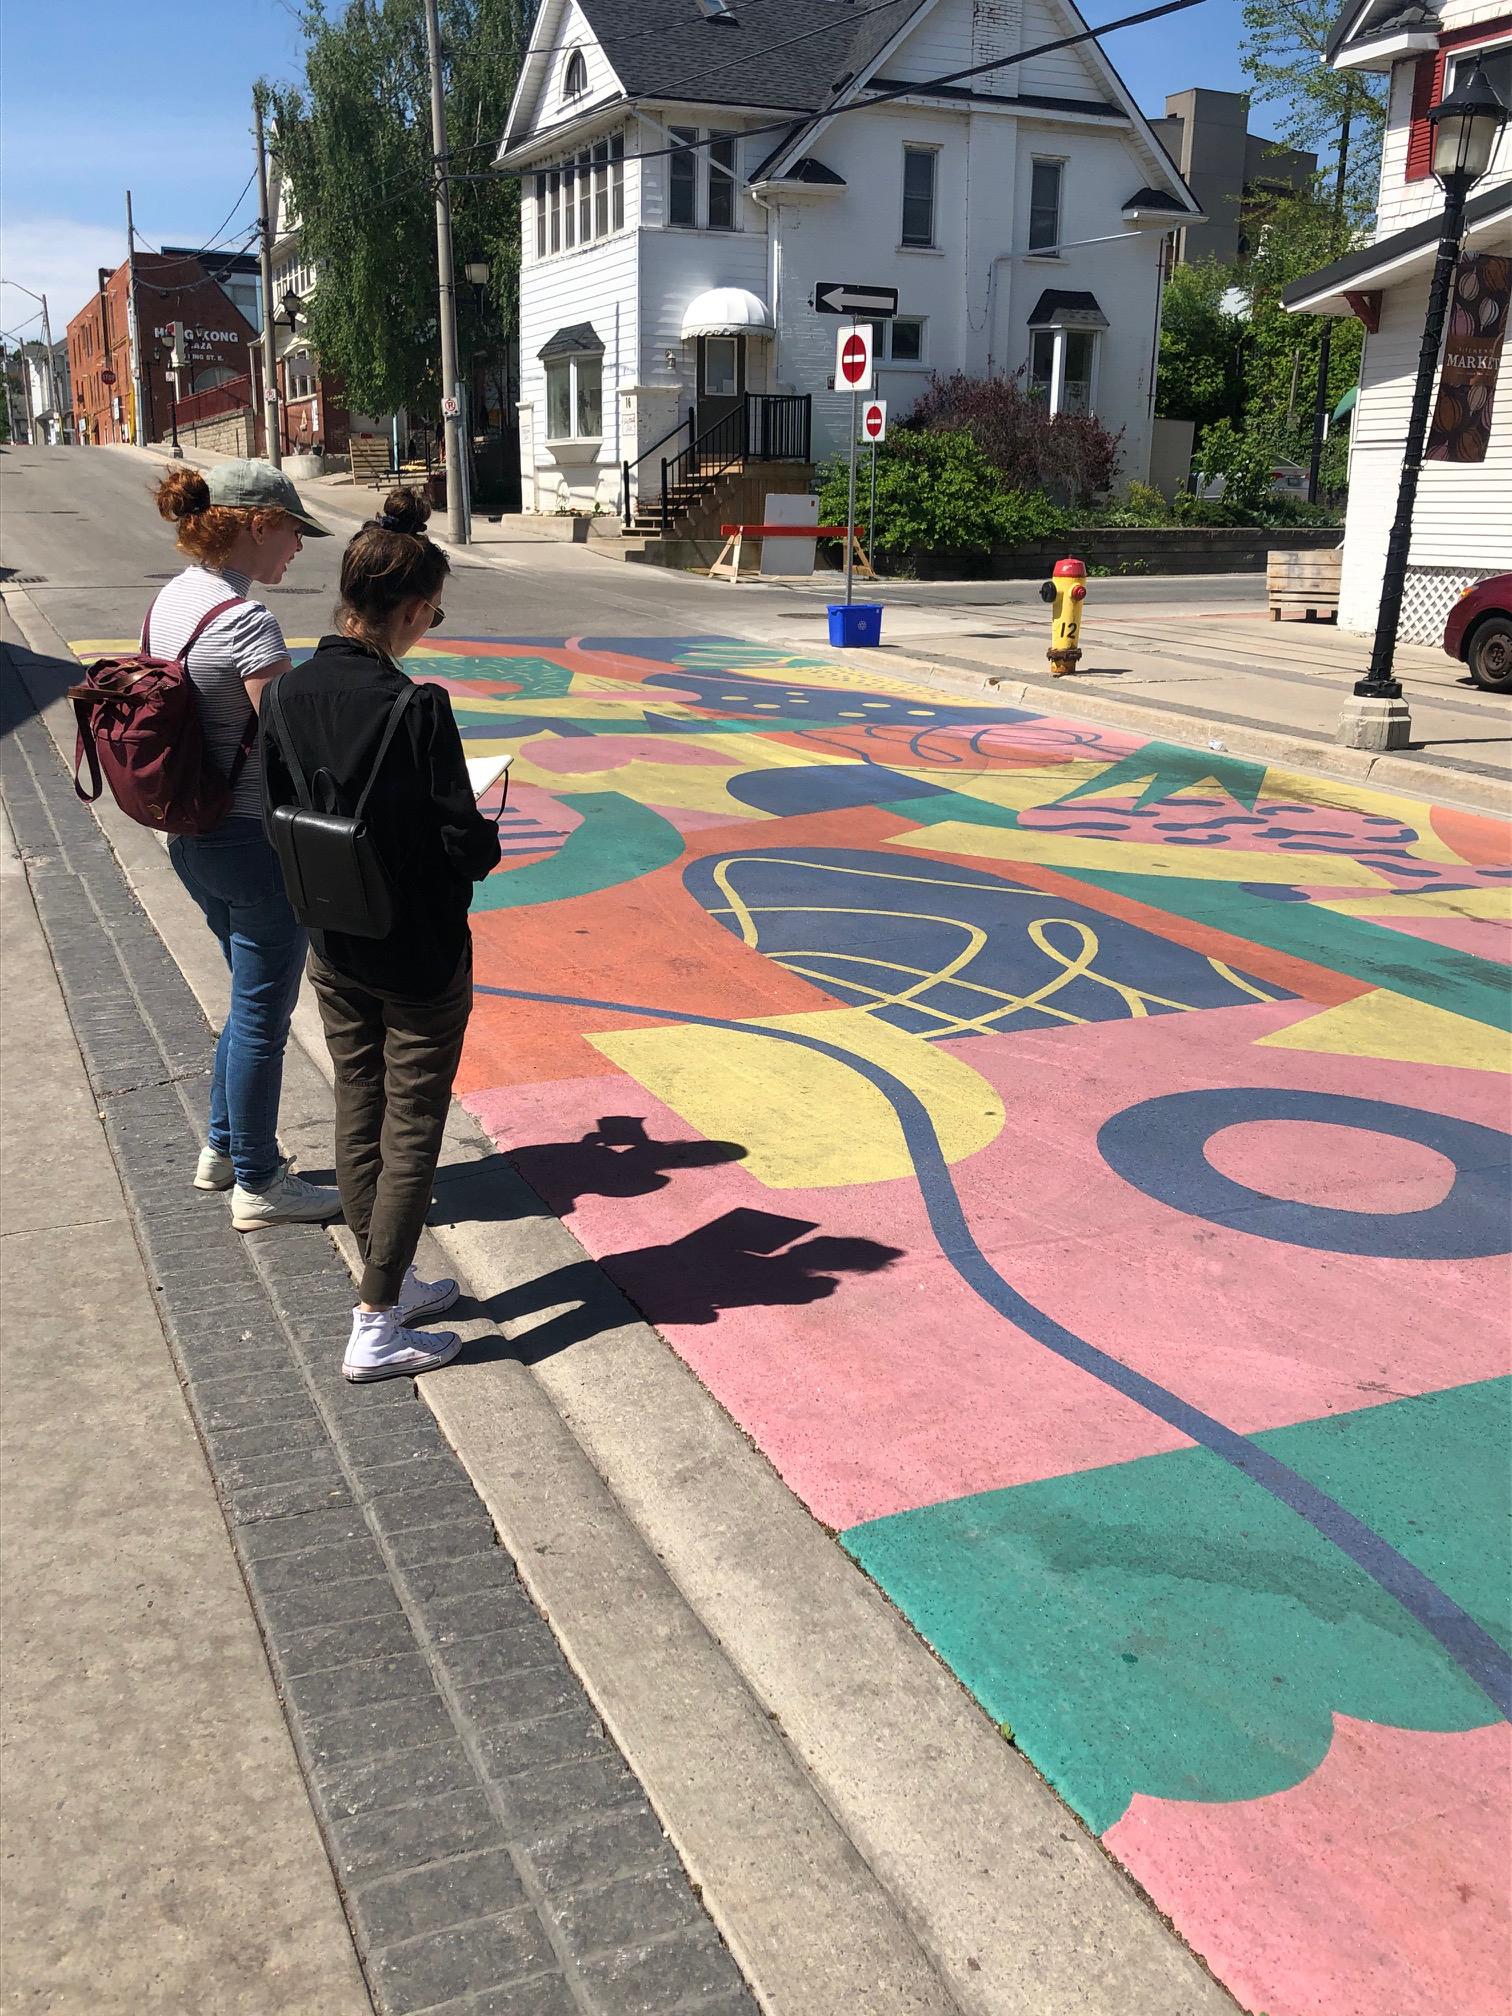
[{"x": 1472, "y": 357}]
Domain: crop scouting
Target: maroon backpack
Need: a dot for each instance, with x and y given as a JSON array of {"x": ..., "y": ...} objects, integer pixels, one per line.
[{"x": 139, "y": 724}]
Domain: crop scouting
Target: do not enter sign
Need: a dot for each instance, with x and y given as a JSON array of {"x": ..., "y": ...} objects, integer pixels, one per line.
[
  {"x": 853, "y": 360},
  {"x": 874, "y": 420}
]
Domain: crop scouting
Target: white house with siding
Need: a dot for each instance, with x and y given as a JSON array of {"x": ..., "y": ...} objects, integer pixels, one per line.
[
  {"x": 1462, "y": 526},
  {"x": 688, "y": 175}
]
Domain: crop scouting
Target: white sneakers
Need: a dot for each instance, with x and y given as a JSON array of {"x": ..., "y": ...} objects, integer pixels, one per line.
[
  {"x": 381, "y": 1348},
  {"x": 288, "y": 1200},
  {"x": 213, "y": 1171},
  {"x": 421, "y": 1299}
]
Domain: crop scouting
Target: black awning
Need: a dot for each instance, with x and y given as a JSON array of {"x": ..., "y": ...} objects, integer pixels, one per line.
[
  {"x": 581, "y": 339},
  {"x": 1062, "y": 308}
]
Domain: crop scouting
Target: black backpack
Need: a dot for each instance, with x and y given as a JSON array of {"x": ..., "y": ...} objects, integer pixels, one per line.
[{"x": 332, "y": 869}]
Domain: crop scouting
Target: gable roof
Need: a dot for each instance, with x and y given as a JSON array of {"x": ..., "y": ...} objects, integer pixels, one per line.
[
  {"x": 1363, "y": 21},
  {"x": 790, "y": 55}
]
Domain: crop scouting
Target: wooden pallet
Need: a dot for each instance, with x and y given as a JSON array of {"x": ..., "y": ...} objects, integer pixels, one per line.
[
  {"x": 1303, "y": 583},
  {"x": 372, "y": 460}
]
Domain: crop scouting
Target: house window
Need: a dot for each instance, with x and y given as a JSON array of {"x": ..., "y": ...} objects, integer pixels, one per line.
[
  {"x": 617, "y": 182},
  {"x": 1495, "y": 63},
  {"x": 540, "y": 209},
  {"x": 569, "y": 207},
  {"x": 575, "y": 398},
  {"x": 601, "y": 189},
  {"x": 722, "y": 182},
  {"x": 554, "y": 204},
  {"x": 721, "y": 368},
  {"x": 1061, "y": 368},
  {"x": 682, "y": 205},
  {"x": 575, "y": 81},
  {"x": 919, "y": 195},
  {"x": 585, "y": 196},
  {"x": 905, "y": 340},
  {"x": 1045, "y": 206}
]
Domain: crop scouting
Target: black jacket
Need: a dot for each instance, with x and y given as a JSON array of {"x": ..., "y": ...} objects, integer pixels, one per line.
[{"x": 434, "y": 841}]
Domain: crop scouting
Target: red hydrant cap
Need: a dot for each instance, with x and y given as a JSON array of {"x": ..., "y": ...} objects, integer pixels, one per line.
[
  {"x": 1078, "y": 591},
  {"x": 1065, "y": 569}
]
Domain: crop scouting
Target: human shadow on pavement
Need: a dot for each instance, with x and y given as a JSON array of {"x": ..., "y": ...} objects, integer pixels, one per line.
[
  {"x": 742, "y": 1259},
  {"x": 618, "y": 1158}
]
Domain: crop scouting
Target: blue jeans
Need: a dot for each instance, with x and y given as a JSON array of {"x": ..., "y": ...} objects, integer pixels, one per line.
[{"x": 234, "y": 877}]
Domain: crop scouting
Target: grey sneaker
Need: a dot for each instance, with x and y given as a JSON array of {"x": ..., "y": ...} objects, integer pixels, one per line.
[
  {"x": 288, "y": 1200},
  {"x": 419, "y": 1300},
  {"x": 381, "y": 1348},
  {"x": 213, "y": 1171}
]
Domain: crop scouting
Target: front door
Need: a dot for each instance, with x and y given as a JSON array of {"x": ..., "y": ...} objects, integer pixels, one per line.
[{"x": 721, "y": 383}]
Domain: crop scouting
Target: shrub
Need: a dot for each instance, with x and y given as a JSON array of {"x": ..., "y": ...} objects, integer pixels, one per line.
[
  {"x": 1242, "y": 460},
  {"x": 937, "y": 492},
  {"x": 1072, "y": 455}
]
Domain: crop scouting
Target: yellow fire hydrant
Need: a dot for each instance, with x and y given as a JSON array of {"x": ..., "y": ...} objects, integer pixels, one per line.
[{"x": 1067, "y": 589}]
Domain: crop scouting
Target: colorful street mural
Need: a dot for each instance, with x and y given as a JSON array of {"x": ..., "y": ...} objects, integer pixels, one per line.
[{"x": 1081, "y": 1165}]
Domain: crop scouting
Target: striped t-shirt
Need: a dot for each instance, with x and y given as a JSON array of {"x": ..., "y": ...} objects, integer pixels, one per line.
[{"x": 237, "y": 646}]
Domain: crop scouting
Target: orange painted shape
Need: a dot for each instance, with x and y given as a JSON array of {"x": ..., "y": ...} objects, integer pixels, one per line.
[
  {"x": 1376, "y": 1887},
  {"x": 1485, "y": 843}
]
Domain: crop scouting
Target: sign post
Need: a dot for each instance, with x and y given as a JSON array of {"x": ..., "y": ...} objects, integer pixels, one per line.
[
  {"x": 853, "y": 370},
  {"x": 874, "y": 425}
]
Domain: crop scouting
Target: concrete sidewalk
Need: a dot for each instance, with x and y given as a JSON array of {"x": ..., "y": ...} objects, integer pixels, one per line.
[{"x": 159, "y": 1848}]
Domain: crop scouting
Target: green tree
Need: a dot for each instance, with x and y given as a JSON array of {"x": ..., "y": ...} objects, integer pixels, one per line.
[
  {"x": 1201, "y": 346},
  {"x": 355, "y": 143},
  {"x": 1282, "y": 351},
  {"x": 937, "y": 492},
  {"x": 1338, "y": 113}
]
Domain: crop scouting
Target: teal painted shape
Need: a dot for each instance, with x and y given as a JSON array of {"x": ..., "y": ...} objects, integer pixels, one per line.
[
  {"x": 537, "y": 678},
  {"x": 1165, "y": 1627},
  {"x": 1438, "y": 974},
  {"x": 945, "y": 808},
  {"x": 618, "y": 841},
  {"x": 1164, "y": 769}
]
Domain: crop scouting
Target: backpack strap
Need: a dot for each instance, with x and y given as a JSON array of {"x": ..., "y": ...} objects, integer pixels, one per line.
[{"x": 395, "y": 715}]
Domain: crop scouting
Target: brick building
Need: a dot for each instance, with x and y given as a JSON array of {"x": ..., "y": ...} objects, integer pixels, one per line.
[{"x": 171, "y": 287}]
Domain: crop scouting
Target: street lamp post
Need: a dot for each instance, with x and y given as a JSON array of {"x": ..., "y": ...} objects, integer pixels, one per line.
[{"x": 1465, "y": 130}]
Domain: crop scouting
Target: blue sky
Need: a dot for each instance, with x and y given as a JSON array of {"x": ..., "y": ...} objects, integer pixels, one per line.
[{"x": 96, "y": 98}]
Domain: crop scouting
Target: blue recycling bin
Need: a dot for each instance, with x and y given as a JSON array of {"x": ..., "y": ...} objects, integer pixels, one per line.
[{"x": 855, "y": 623}]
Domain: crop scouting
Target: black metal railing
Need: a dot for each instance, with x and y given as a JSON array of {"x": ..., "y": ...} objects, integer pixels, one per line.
[
  {"x": 626, "y": 468},
  {"x": 764, "y": 427}
]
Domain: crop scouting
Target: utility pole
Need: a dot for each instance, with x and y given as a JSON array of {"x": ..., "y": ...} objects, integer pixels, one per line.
[
  {"x": 272, "y": 416},
  {"x": 1325, "y": 338},
  {"x": 5, "y": 371},
  {"x": 451, "y": 389},
  {"x": 133, "y": 329},
  {"x": 52, "y": 375}
]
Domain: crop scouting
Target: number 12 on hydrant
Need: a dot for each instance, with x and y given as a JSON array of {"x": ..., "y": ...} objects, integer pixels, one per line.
[{"x": 1066, "y": 588}]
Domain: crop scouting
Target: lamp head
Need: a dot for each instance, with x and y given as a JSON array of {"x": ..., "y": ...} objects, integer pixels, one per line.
[
  {"x": 477, "y": 272},
  {"x": 1465, "y": 130},
  {"x": 291, "y": 307}
]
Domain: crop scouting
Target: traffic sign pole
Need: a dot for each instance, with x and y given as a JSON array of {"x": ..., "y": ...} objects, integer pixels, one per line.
[
  {"x": 871, "y": 516},
  {"x": 850, "y": 509}
]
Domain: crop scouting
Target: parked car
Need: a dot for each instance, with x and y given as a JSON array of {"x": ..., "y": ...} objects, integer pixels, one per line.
[{"x": 1479, "y": 632}]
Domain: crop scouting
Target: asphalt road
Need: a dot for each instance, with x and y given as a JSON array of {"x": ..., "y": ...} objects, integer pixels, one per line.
[{"x": 83, "y": 521}]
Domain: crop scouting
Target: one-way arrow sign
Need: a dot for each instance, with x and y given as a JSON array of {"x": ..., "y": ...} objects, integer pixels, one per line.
[{"x": 845, "y": 297}]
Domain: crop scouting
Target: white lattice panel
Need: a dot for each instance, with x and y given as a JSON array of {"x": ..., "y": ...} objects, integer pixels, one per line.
[{"x": 1428, "y": 596}]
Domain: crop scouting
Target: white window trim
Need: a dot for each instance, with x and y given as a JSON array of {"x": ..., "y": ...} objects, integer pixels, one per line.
[
  {"x": 891, "y": 363},
  {"x": 703, "y": 175},
  {"x": 1061, "y": 161},
  {"x": 536, "y": 242},
  {"x": 935, "y": 148},
  {"x": 574, "y": 439},
  {"x": 1059, "y": 335},
  {"x": 568, "y": 95}
]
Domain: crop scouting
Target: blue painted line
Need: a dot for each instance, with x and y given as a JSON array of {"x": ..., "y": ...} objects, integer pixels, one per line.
[{"x": 1472, "y": 1648}]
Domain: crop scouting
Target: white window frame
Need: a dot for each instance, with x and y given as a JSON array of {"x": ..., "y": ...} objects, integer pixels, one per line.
[
  {"x": 576, "y": 66},
  {"x": 701, "y": 146},
  {"x": 884, "y": 345},
  {"x": 1052, "y": 250},
  {"x": 932, "y": 150},
  {"x": 1057, "y": 384},
  {"x": 597, "y": 194},
  {"x": 571, "y": 364}
]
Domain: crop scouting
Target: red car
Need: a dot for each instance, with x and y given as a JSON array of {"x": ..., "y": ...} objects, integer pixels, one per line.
[{"x": 1479, "y": 631}]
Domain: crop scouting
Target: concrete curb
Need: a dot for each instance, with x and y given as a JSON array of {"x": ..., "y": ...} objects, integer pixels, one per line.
[{"x": 863, "y": 1837}]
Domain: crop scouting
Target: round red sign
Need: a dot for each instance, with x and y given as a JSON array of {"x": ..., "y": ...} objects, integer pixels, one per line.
[
  {"x": 853, "y": 359},
  {"x": 107, "y": 377},
  {"x": 873, "y": 421}
]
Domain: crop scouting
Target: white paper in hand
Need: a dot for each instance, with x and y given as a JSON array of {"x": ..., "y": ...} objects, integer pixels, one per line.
[{"x": 485, "y": 771}]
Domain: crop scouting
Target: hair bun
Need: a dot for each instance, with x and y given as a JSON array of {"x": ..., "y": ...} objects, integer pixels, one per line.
[
  {"x": 183, "y": 493},
  {"x": 404, "y": 510}
]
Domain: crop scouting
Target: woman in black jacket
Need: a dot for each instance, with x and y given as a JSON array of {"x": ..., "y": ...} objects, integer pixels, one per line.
[{"x": 395, "y": 1008}]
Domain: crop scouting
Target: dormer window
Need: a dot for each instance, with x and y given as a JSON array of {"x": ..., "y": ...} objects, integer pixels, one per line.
[{"x": 575, "y": 78}]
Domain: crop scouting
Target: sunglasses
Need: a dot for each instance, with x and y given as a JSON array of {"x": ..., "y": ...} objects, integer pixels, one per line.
[{"x": 437, "y": 612}]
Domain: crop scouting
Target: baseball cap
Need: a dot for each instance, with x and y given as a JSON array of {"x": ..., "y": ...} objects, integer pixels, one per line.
[{"x": 258, "y": 486}]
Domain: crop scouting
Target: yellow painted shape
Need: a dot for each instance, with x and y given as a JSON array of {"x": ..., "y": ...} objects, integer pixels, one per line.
[
  {"x": 1384, "y": 1024},
  {"x": 1493, "y": 904},
  {"x": 807, "y": 1121},
  {"x": 1020, "y": 790},
  {"x": 1137, "y": 857}
]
